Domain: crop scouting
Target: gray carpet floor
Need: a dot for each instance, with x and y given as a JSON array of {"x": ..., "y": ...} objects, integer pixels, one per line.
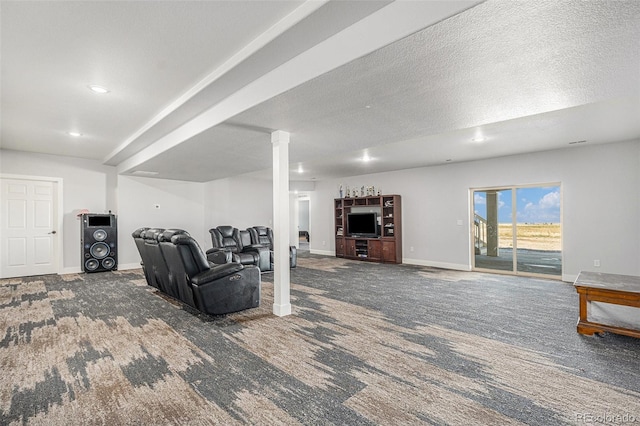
[{"x": 366, "y": 344}]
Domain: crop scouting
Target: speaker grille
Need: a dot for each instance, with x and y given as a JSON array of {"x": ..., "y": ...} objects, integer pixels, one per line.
[
  {"x": 99, "y": 250},
  {"x": 100, "y": 235},
  {"x": 91, "y": 265}
]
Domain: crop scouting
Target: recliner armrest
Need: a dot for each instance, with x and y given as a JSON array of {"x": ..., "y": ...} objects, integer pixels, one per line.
[
  {"x": 215, "y": 273},
  {"x": 256, "y": 246},
  {"x": 220, "y": 256},
  {"x": 262, "y": 253}
]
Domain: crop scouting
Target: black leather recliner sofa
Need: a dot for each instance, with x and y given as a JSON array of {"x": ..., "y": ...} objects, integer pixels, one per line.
[
  {"x": 233, "y": 245},
  {"x": 174, "y": 263},
  {"x": 262, "y": 235}
]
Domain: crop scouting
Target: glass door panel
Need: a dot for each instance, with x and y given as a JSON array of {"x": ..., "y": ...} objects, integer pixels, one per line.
[
  {"x": 538, "y": 232},
  {"x": 493, "y": 229}
]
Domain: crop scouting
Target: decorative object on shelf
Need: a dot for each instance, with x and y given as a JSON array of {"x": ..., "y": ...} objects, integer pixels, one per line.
[
  {"x": 340, "y": 190},
  {"x": 379, "y": 192},
  {"x": 388, "y": 203},
  {"x": 362, "y": 191}
]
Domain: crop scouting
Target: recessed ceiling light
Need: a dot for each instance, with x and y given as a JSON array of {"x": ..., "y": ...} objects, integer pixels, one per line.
[
  {"x": 98, "y": 89},
  {"x": 367, "y": 106},
  {"x": 300, "y": 169},
  {"x": 479, "y": 139},
  {"x": 366, "y": 158},
  {"x": 74, "y": 134}
]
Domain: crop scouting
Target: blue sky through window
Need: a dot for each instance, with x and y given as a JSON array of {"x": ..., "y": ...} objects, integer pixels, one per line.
[{"x": 533, "y": 205}]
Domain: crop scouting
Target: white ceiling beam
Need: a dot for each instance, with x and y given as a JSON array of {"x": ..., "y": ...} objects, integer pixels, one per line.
[
  {"x": 387, "y": 25},
  {"x": 306, "y": 9}
]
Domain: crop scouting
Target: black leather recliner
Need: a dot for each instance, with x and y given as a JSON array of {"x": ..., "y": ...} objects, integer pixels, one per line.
[
  {"x": 233, "y": 245},
  {"x": 264, "y": 236},
  {"x": 189, "y": 277},
  {"x": 176, "y": 282},
  {"x": 137, "y": 237},
  {"x": 150, "y": 257},
  {"x": 217, "y": 289}
]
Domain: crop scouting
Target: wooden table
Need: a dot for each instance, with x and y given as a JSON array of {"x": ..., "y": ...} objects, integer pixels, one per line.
[{"x": 606, "y": 288}]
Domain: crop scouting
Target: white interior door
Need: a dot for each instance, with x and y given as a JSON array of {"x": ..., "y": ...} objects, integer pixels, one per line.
[{"x": 28, "y": 228}]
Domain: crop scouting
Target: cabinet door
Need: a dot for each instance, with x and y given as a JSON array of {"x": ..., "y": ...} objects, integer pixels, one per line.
[
  {"x": 350, "y": 248},
  {"x": 340, "y": 247},
  {"x": 375, "y": 250},
  {"x": 389, "y": 251}
]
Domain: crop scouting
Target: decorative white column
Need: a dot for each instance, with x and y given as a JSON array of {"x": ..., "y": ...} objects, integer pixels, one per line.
[{"x": 281, "y": 278}]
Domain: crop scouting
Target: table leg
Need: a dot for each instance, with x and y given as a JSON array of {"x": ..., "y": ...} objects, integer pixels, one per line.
[{"x": 583, "y": 327}]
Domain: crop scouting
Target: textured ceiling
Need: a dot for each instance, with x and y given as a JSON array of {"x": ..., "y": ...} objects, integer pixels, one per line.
[
  {"x": 146, "y": 53},
  {"x": 546, "y": 66},
  {"x": 527, "y": 75}
]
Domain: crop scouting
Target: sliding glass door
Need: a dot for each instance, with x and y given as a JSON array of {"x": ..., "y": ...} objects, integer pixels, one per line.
[
  {"x": 493, "y": 241},
  {"x": 518, "y": 230}
]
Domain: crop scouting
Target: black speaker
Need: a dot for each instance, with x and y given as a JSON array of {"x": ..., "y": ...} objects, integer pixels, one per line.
[{"x": 99, "y": 237}]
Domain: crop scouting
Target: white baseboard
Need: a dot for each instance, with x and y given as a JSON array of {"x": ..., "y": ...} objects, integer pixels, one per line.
[
  {"x": 127, "y": 266},
  {"x": 71, "y": 270},
  {"x": 443, "y": 265},
  {"x": 323, "y": 252},
  {"x": 78, "y": 270},
  {"x": 419, "y": 262}
]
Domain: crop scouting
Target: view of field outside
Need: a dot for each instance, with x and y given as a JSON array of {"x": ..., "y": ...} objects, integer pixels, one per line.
[
  {"x": 544, "y": 236},
  {"x": 537, "y": 217}
]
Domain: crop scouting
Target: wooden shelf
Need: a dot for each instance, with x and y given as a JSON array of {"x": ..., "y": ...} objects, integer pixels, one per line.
[{"x": 385, "y": 248}]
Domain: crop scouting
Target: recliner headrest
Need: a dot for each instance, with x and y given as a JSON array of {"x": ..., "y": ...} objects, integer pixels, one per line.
[
  {"x": 195, "y": 261},
  {"x": 138, "y": 232},
  {"x": 169, "y": 233},
  {"x": 152, "y": 234},
  {"x": 226, "y": 231}
]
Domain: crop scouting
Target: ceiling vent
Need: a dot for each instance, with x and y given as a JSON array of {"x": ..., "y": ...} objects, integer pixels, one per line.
[{"x": 144, "y": 173}]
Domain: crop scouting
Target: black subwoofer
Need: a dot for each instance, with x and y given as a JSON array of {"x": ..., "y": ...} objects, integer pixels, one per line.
[{"x": 99, "y": 236}]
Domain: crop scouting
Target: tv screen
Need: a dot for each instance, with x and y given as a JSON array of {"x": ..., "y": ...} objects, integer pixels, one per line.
[{"x": 362, "y": 224}]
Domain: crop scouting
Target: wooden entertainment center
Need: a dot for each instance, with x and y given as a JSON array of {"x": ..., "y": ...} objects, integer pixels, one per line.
[{"x": 386, "y": 246}]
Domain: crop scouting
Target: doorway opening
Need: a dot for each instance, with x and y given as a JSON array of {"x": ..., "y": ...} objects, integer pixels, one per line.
[
  {"x": 303, "y": 222},
  {"x": 518, "y": 230}
]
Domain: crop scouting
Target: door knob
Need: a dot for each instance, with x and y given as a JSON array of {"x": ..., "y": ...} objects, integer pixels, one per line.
[{"x": 52, "y": 232}]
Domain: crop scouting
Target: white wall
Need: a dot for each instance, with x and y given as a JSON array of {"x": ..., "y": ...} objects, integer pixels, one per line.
[
  {"x": 181, "y": 206},
  {"x": 241, "y": 202},
  {"x": 601, "y": 205},
  {"x": 85, "y": 185}
]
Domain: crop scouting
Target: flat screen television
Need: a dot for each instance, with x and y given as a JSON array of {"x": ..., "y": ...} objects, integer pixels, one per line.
[{"x": 362, "y": 225}]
